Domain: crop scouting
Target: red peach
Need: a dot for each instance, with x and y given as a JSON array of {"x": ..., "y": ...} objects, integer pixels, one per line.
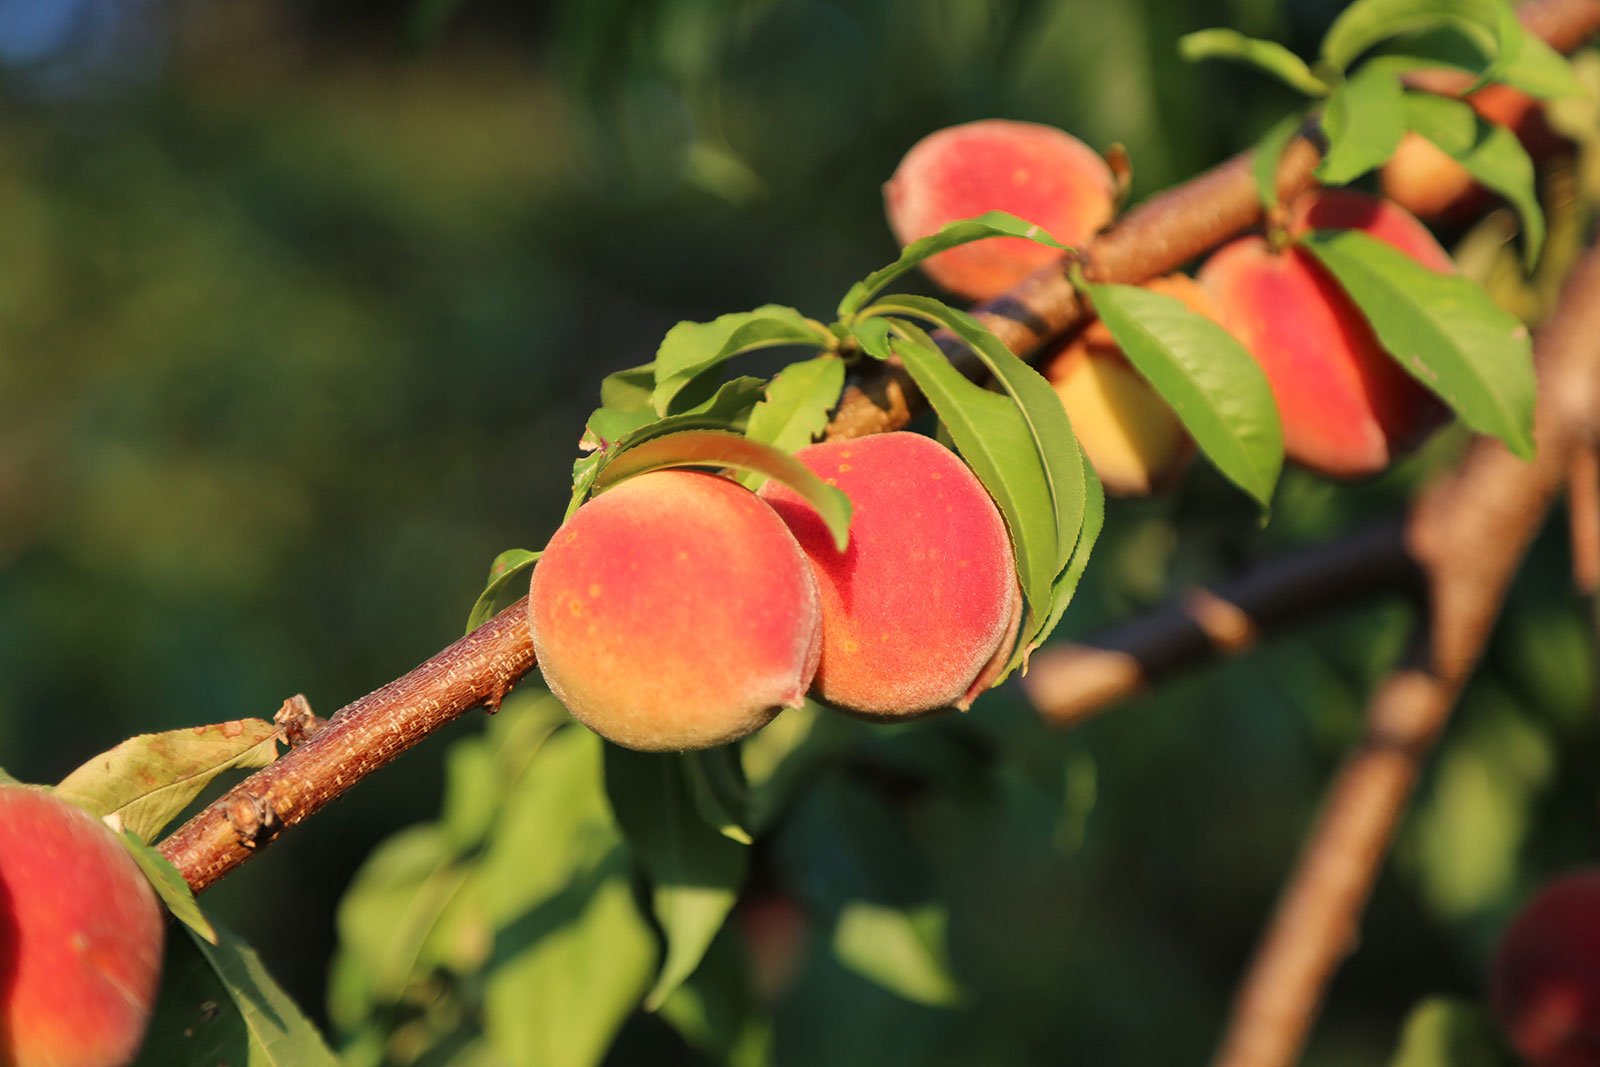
[
  {"x": 1347, "y": 408},
  {"x": 1545, "y": 984},
  {"x": 675, "y": 611},
  {"x": 922, "y": 608},
  {"x": 1035, "y": 172},
  {"x": 81, "y": 937}
]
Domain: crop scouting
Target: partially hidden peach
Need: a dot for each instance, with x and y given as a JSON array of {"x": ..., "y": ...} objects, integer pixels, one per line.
[
  {"x": 675, "y": 611},
  {"x": 1131, "y": 435},
  {"x": 81, "y": 937},
  {"x": 1038, "y": 173},
  {"x": 1545, "y": 983},
  {"x": 1347, "y": 408},
  {"x": 921, "y": 610}
]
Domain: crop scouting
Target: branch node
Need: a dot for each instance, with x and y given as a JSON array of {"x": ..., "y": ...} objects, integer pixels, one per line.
[
  {"x": 298, "y": 721},
  {"x": 254, "y": 820}
]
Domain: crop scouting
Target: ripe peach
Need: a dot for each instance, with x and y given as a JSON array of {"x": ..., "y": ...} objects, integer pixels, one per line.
[
  {"x": 921, "y": 609},
  {"x": 675, "y": 611},
  {"x": 1035, "y": 172},
  {"x": 1347, "y": 408},
  {"x": 1426, "y": 181},
  {"x": 80, "y": 937},
  {"x": 1131, "y": 435},
  {"x": 1545, "y": 984}
]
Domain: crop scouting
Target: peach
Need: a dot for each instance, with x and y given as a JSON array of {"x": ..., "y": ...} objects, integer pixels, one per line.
[
  {"x": 1131, "y": 435},
  {"x": 1035, "y": 172},
  {"x": 1545, "y": 983},
  {"x": 1347, "y": 408},
  {"x": 1426, "y": 181},
  {"x": 922, "y": 608},
  {"x": 81, "y": 937},
  {"x": 675, "y": 611}
]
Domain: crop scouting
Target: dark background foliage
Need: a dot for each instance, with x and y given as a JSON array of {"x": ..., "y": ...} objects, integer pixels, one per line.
[{"x": 302, "y": 306}]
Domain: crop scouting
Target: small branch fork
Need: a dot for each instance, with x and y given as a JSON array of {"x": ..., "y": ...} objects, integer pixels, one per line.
[{"x": 1156, "y": 237}]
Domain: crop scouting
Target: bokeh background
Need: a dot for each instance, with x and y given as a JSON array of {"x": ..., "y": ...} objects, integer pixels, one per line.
[{"x": 302, "y": 306}]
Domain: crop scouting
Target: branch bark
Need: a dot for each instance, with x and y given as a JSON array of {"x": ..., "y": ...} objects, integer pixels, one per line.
[
  {"x": 1468, "y": 534},
  {"x": 1158, "y": 236}
]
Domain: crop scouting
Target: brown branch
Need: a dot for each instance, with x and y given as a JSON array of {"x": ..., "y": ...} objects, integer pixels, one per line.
[
  {"x": 1168, "y": 230},
  {"x": 1468, "y": 533}
]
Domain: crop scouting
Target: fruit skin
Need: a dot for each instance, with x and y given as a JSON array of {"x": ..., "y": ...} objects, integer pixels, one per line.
[
  {"x": 81, "y": 937},
  {"x": 1545, "y": 982},
  {"x": 675, "y": 611},
  {"x": 1134, "y": 439},
  {"x": 1429, "y": 183},
  {"x": 1035, "y": 172},
  {"x": 921, "y": 610},
  {"x": 1347, "y": 408}
]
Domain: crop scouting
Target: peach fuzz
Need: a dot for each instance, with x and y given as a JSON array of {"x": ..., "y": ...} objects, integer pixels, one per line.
[
  {"x": 1347, "y": 408},
  {"x": 1132, "y": 436},
  {"x": 675, "y": 611},
  {"x": 1545, "y": 981},
  {"x": 921, "y": 610},
  {"x": 1038, "y": 173},
  {"x": 81, "y": 937}
]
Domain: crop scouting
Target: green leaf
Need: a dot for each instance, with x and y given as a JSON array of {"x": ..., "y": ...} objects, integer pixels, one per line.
[
  {"x": 1490, "y": 153},
  {"x": 1268, "y": 154},
  {"x": 713, "y": 448},
  {"x": 502, "y": 572},
  {"x": 219, "y": 1005},
  {"x": 952, "y": 234},
  {"x": 694, "y": 872},
  {"x": 629, "y": 390},
  {"x": 6, "y": 779},
  {"x": 1488, "y": 24},
  {"x": 572, "y": 957},
  {"x": 170, "y": 887},
  {"x": 1267, "y": 56},
  {"x": 873, "y": 337},
  {"x": 1441, "y": 1032},
  {"x": 1443, "y": 330},
  {"x": 780, "y": 758},
  {"x": 1214, "y": 386},
  {"x": 902, "y": 951},
  {"x": 1362, "y": 122},
  {"x": 798, "y": 400},
  {"x": 1066, "y": 583},
  {"x": 1535, "y": 68},
  {"x": 147, "y": 780},
  {"x": 690, "y": 348},
  {"x": 716, "y": 781}
]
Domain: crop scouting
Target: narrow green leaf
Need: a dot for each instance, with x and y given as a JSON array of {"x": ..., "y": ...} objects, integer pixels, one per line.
[
  {"x": 1489, "y": 24},
  {"x": 1441, "y": 1032},
  {"x": 690, "y": 348},
  {"x": 694, "y": 872},
  {"x": 147, "y": 780},
  {"x": 713, "y": 448},
  {"x": 873, "y": 337},
  {"x": 1217, "y": 390},
  {"x": 1490, "y": 153},
  {"x": 170, "y": 887},
  {"x": 898, "y": 950},
  {"x": 1535, "y": 68},
  {"x": 797, "y": 403},
  {"x": 960, "y": 232},
  {"x": 502, "y": 572},
  {"x": 720, "y": 795},
  {"x": 1066, "y": 583},
  {"x": 1362, "y": 123},
  {"x": 1443, "y": 329},
  {"x": 1268, "y": 154},
  {"x": 630, "y": 389},
  {"x": 1266, "y": 56}
]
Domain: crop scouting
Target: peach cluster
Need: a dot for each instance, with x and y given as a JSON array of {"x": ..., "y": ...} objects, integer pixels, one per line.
[
  {"x": 680, "y": 610},
  {"x": 81, "y": 937},
  {"x": 1347, "y": 408}
]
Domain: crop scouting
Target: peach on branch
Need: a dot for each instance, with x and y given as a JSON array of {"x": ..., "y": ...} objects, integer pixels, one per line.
[
  {"x": 1347, "y": 408},
  {"x": 81, "y": 937},
  {"x": 922, "y": 608},
  {"x": 1035, "y": 172},
  {"x": 675, "y": 611},
  {"x": 1132, "y": 436},
  {"x": 1545, "y": 984}
]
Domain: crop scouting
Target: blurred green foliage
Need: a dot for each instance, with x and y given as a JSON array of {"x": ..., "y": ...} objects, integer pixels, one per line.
[{"x": 302, "y": 307}]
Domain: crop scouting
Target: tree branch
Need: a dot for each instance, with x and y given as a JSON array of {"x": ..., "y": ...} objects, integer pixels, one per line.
[
  {"x": 1155, "y": 237},
  {"x": 1468, "y": 533}
]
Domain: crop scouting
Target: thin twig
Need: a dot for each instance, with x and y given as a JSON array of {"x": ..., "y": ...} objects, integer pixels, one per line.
[{"x": 1468, "y": 533}]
